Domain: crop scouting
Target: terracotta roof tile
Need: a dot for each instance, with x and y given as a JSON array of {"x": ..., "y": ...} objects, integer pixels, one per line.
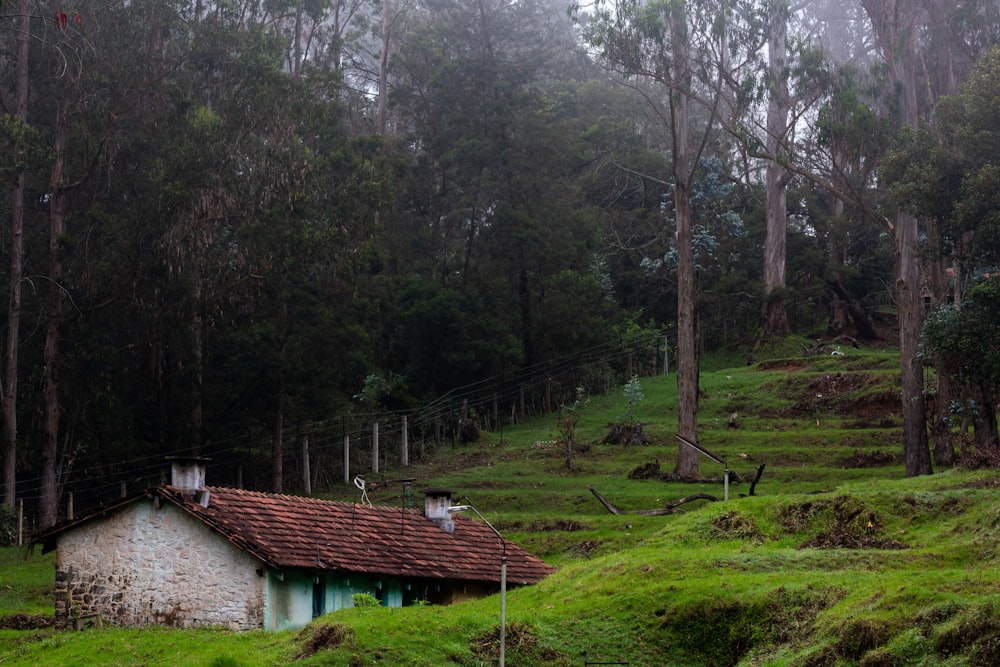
[{"x": 324, "y": 535}]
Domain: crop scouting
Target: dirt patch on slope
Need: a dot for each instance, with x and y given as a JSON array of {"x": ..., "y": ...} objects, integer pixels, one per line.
[
  {"x": 853, "y": 525},
  {"x": 863, "y": 396},
  {"x": 521, "y": 646},
  {"x": 325, "y": 636},
  {"x": 25, "y": 622},
  {"x": 873, "y": 459}
]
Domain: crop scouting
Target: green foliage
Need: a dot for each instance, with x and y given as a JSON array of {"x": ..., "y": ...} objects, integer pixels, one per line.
[
  {"x": 365, "y": 600},
  {"x": 8, "y": 526},
  {"x": 569, "y": 417},
  {"x": 24, "y": 146},
  {"x": 204, "y": 119},
  {"x": 948, "y": 169},
  {"x": 965, "y": 339},
  {"x": 633, "y": 397}
]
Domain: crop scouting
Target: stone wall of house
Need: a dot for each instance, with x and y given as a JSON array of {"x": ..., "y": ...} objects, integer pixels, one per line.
[{"x": 146, "y": 565}]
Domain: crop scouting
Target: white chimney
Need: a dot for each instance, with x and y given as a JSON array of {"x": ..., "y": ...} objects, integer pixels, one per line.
[
  {"x": 187, "y": 474},
  {"x": 437, "y": 504}
]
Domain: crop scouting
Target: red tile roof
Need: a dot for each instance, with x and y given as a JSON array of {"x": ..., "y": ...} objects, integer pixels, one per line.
[{"x": 324, "y": 535}]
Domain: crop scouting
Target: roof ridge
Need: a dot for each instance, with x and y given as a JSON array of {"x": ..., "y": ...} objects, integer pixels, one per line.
[{"x": 285, "y": 496}]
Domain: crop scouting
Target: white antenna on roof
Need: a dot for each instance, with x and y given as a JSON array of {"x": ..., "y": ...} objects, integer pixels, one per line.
[{"x": 359, "y": 482}]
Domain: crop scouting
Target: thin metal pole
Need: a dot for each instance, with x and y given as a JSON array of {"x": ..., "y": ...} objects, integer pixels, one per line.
[
  {"x": 503, "y": 606},
  {"x": 503, "y": 580}
]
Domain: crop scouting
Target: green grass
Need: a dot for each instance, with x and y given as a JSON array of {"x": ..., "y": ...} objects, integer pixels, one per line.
[
  {"x": 26, "y": 581},
  {"x": 827, "y": 564}
]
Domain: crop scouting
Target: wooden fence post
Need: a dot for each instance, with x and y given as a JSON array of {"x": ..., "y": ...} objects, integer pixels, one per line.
[
  {"x": 666, "y": 355},
  {"x": 404, "y": 447}
]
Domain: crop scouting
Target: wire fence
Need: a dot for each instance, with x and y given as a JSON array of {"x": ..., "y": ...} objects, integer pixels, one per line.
[{"x": 318, "y": 456}]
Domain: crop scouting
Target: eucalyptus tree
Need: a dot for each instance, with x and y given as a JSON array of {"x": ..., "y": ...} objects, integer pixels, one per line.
[
  {"x": 775, "y": 317},
  {"x": 901, "y": 28},
  {"x": 681, "y": 54},
  {"x": 17, "y": 125},
  {"x": 79, "y": 104},
  {"x": 946, "y": 172},
  {"x": 176, "y": 158},
  {"x": 806, "y": 44},
  {"x": 491, "y": 199},
  {"x": 256, "y": 240}
]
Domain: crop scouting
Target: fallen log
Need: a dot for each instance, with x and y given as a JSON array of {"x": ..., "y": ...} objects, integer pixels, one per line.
[{"x": 668, "y": 509}]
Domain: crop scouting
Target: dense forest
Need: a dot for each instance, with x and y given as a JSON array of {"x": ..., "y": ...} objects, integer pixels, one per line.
[{"x": 234, "y": 228}]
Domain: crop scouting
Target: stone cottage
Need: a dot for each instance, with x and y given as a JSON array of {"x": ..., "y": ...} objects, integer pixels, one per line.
[{"x": 187, "y": 555}]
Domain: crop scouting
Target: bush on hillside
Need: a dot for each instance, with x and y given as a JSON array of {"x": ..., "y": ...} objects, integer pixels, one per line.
[{"x": 8, "y": 526}]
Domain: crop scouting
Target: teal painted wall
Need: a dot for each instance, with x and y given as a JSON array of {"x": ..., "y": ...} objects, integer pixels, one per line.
[
  {"x": 289, "y": 600},
  {"x": 290, "y": 596}
]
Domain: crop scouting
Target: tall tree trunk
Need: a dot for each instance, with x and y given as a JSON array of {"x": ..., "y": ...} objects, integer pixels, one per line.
[
  {"x": 916, "y": 453},
  {"x": 277, "y": 445},
  {"x": 297, "y": 42},
  {"x": 49, "y": 503},
  {"x": 775, "y": 315},
  {"x": 524, "y": 296},
  {"x": 199, "y": 333},
  {"x": 894, "y": 24},
  {"x": 985, "y": 417},
  {"x": 687, "y": 359},
  {"x": 383, "y": 66},
  {"x": 942, "y": 443},
  {"x": 8, "y": 390}
]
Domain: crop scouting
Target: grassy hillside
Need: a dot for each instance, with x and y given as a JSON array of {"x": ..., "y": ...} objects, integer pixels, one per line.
[{"x": 835, "y": 560}]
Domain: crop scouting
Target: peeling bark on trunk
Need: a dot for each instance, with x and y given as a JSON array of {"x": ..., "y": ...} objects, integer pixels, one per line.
[
  {"x": 942, "y": 443},
  {"x": 383, "y": 67},
  {"x": 916, "y": 452},
  {"x": 775, "y": 315},
  {"x": 49, "y": 502},
  {"x": 894, "y": 26},
  {"x": 687, "y": 358},
  {"x": 985, "y": 418}
]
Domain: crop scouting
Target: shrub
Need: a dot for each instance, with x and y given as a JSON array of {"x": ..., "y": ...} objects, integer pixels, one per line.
[{"x": 365, "y": 600}]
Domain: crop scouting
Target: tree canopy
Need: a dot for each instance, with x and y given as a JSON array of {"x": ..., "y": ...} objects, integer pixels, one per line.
[{"x": 227, "y": 218}]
